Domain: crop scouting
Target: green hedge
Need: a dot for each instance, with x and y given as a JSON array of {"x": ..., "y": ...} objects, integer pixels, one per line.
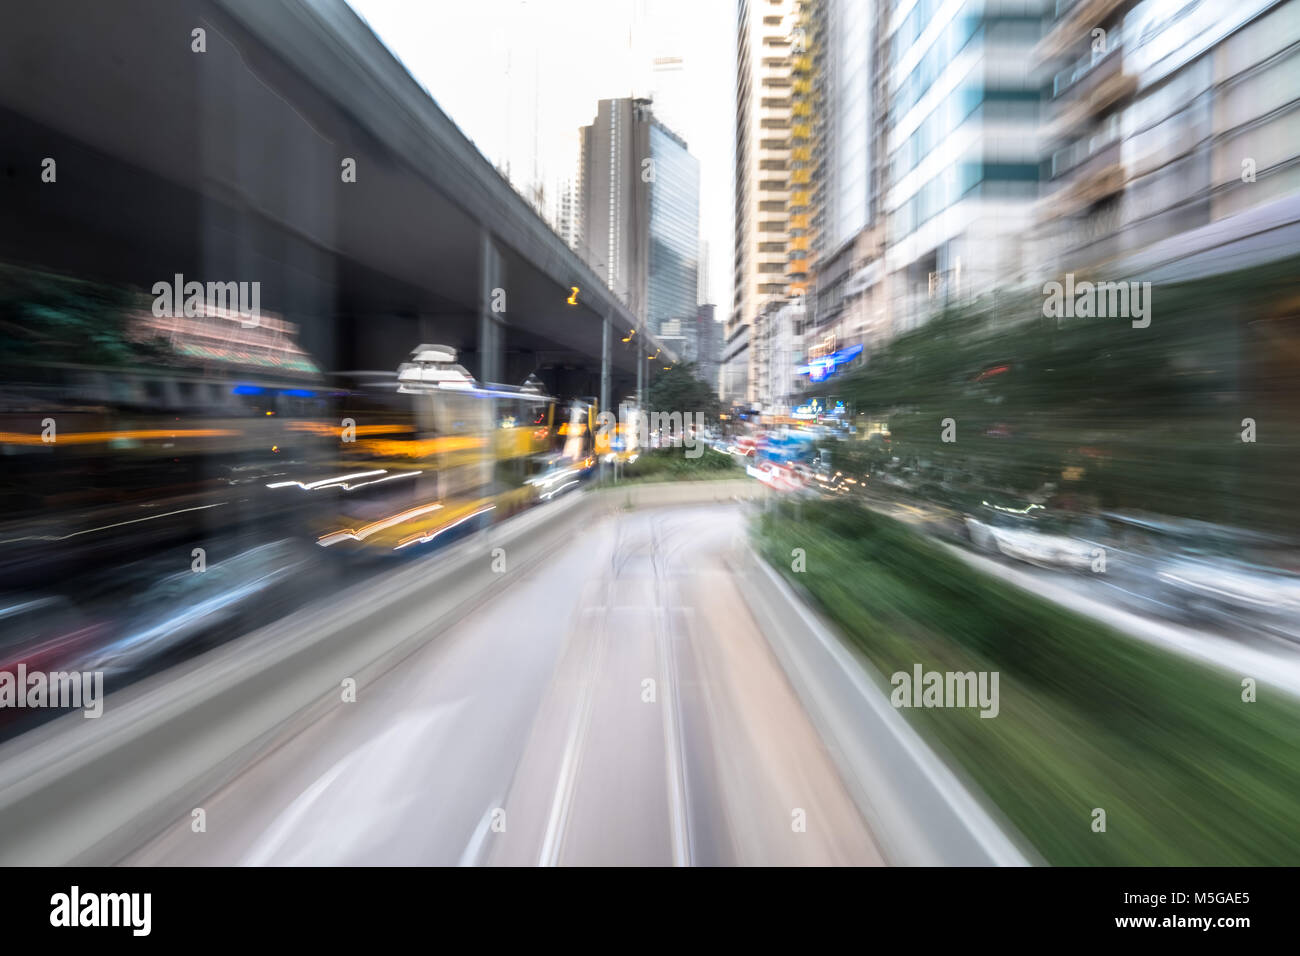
[
  {"x": 671, "y": 464},
  {"x": 1187, "y": 773}
]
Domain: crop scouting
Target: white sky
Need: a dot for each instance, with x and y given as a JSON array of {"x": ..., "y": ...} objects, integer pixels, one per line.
[{"x": 520, "y": 76}]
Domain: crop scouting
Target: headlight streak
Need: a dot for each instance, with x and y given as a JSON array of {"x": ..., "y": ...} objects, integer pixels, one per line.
[
  {"x": 65, "y": 537},
  {"x": 556, "y": 491},
  {"x": 339, "y": 483},
  {"x": 312, "y": 485},
  {"x": 421, "y": 538},
  {"x": 367, "y": 530}
]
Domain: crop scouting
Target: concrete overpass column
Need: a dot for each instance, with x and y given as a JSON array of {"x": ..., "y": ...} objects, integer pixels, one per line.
[
  {"x": 640, "y": 374},
  {"x": 605, "y": 331},
  {"x": 491, "y": 335},
  {"x": 491, "y": 332}
]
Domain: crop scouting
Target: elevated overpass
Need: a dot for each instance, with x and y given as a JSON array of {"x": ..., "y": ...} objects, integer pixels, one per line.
[{"x": 227, "y": 165}]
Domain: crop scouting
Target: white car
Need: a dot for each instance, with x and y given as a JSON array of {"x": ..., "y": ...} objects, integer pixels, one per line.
[{"x": 1032, "y": 547}]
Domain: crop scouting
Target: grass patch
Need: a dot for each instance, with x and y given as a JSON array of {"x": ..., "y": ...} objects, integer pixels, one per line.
[
  {"x": 1187, "y": 773},
  {"x": 671, "y": 464}
]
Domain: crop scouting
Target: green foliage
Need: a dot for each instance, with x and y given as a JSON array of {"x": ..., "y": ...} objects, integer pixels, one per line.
[
  {"x": 1140, "y": 418},
  {"x": 679, "y": 390},
  {"x": 1187, "y": 773},
  {"x": 671, "y": 464},
  {"x": 51, "y": 318}
]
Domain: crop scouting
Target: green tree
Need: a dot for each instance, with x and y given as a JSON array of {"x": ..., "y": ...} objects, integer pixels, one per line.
[
  {"x": 1107, "y": 414},
  {"x": 52, "y": 318},
  {"x": 678, "y": 389}
]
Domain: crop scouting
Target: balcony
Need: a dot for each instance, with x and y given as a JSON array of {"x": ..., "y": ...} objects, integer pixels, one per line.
[
  {"x": 1078, "y": 21},
  {"x": 1071, "y": 161},
  {"x": 1100, "y": 177},
  {"x": 1092, "y": 97},
  {"x": 1084, "y": 73}
]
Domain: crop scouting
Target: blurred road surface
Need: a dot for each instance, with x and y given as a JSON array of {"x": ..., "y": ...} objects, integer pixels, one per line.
[{"x": 617, "y": 705}]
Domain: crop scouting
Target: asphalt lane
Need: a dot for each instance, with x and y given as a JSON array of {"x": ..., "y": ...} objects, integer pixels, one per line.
[{"x": 616, "y": 705}]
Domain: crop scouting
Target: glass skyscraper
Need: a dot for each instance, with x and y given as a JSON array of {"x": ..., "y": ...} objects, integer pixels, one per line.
[{"x": 674, "y": 229}]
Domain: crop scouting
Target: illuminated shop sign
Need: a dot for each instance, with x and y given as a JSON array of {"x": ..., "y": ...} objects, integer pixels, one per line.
[{"x": 821, "y": 368}]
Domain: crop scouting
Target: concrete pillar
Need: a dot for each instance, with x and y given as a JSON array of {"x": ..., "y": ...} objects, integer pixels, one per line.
[
  {"x": 638, "y": 349},
  {"x": 491, "y": 325},
  {"x": 491, "y": 340},
  {"x": 604, "y": 375},
  {"x": 605, "y": 331}
]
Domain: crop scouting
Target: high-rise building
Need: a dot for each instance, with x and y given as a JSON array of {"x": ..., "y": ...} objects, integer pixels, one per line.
[
  {"x": 639, "y": 211},
  {"x": 676, "y": 336},
  {"x": 1173, "y": 133},
  {"x": 674, "y": 184},
  {"x": 835, "y": 278},
  {"x": 733, "y": 371},
  {"x": 615, "y": 199},
  {"x": 697, "y": 339},
  {"x": 708, "y": 345},
  {"x": 764, "y": 109},
  {"x": 964, "y": 171},
  {"x": 846, "y": 302},
  {"x": 567, "y": 221},
  {"x": 776, "y": 345}
]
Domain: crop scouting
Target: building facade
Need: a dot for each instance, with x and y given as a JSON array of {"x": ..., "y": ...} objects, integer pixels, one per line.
[
  {"x": 1172, "y": 126},
  {"x": 764, "y": 109},
  {"x": 614, "y": 199},
  {"x": 638, "y": 203},
  {"x": 964, "y": 155},
  {"x": 708, "y": 345},
  {"x": 847, "y": 301},
  {"x": 673, "y": 280},
  {"x": 733, "y": 373}
]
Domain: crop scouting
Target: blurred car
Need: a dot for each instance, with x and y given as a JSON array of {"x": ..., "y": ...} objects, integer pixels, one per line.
[
  {"x": 179, "y": 608},
  {"x": 1032, "y": 547},
  {"x": 1229, "y": 592},
  {"x": 1027, "y": 534},
  {"x": 45, "y": 634}
]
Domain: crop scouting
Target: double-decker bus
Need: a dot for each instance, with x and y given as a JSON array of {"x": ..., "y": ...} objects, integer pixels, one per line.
[{"x": 427, "y": 456}]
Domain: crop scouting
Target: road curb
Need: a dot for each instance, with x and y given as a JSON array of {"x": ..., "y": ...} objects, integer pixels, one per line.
[{"x": 920, "y": 811}]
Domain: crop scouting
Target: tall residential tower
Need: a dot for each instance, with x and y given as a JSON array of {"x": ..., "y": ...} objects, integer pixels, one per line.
[{"x": 764, "y": 109}]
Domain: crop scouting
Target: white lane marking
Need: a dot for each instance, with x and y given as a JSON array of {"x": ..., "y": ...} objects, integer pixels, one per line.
[
  {"x": 562, "y": 799},
  {"x": 284, "y": 825},
  {"x": 678, "y": 799},
  {"x": 474, "y": 848},
  {"x": 386, "y": 747},
  {"x": 677, "y": 794}
]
